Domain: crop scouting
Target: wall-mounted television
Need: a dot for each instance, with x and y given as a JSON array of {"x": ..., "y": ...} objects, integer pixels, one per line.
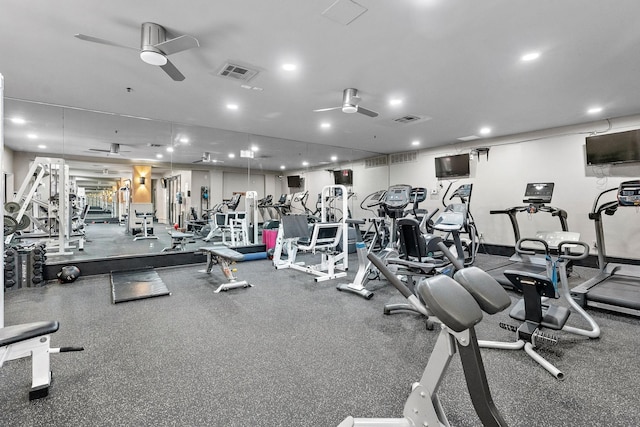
[
  {"x": 343, "y": 177},
  {"x": 452, "y": 166},
  {"x": 618, "y": 147},
  {"x": 294, "y": 181}
]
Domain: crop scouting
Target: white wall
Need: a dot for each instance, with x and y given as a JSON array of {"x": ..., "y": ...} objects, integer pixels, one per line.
[{"x": 555, "y": 155}]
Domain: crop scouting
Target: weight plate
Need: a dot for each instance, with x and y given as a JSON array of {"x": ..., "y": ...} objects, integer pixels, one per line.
[
  {"x": 24, "y": 222},
  {"x": 10, "y": 225},
  {"x": 12, "y": 207}
]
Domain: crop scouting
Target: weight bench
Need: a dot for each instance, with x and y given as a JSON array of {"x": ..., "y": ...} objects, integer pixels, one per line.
[
  {"x": 224, "y": 257},
  {"x": 32, "y": 339},
  {"x": 179, "y": 241}
]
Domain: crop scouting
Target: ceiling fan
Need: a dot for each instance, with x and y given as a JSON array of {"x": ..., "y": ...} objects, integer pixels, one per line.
[
  {"x": 206, "y": 158},
  {"x": 350, "y": 100},
  {"x": 155, "y": 47},
  {"x": 114, "y": 150}
]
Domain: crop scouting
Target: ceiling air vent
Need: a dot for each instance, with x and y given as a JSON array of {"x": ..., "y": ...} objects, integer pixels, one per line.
[
  {"x": 237, "y": 72},
  {"x": 406, "y": 157},
  {"x": 374, "y": 162}
]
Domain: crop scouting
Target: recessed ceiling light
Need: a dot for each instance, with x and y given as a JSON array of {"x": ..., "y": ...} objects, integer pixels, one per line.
[
  {"x": 32, "y": 136},
  {"x": 159, "y": 156},
  {"x": 395, "y": 101},
  {"x": 305, "y": 163},
  {"x": 594, "y": 110},
  {"x": 282, "y": 167},
  {"x": 325, "y": 125},
  {"x": 42, "y": 146},
  {"x": 18, "y": 121},
  {"x": 184, "y": 140},
  {"x": 289, "y": 67},
  {"x": 334, "y": 158},
  {"x": 232, "y": 106},
  {"x": 231, "y": 155},
  {"x": 416, "y": 142},
  {"x": 485, "y": 130},
  {"x": 170, "y": 149},
  {"x": 531, "y": 56}
]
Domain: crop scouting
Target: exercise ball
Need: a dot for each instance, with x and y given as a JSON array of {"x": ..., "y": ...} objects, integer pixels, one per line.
[{"x": 68, "y": 274}]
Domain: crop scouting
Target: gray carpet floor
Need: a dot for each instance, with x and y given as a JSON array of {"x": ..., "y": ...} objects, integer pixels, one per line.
[{"x": 290, "y": 352}]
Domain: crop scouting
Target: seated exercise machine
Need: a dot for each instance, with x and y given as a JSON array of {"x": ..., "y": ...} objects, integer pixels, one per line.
[
  {"x": 329, "y": 239},
  {"x": 224, "y": 257},
  {"x": 537, "y": 314},
  {"x": 458, "y": 305},
  {"x": 145, "y": 225},
  {"x": 617, "y": 285},
  {"x": 416, "y": 259}
]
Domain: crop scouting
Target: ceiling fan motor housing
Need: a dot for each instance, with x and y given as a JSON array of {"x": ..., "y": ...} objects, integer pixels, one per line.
[
  {"x": 350, "y": 100},
  {"x": 152, "y": 35}
]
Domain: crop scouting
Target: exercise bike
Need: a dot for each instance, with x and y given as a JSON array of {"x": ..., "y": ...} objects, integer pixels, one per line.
[{"x": 534, "y": 309}]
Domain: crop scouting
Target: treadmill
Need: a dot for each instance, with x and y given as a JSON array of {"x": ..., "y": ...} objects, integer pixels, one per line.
[
  {"x": 617, "y": 286},
  {"x": 536, "y": 197}
]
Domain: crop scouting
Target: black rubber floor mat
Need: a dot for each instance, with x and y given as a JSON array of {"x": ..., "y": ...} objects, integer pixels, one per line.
[{"x": 133, "y": 285}]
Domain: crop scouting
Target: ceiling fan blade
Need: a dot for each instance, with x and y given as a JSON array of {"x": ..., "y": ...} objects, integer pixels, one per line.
[
  {"x": 327, "y": 109},
  {"x": 98, "y": 149},
  {"x": 366, "y": 112},
  {"x": 173, "y": 72},
  {"x": 178, "y": 44},
  {"x": 102, "y": 41}
]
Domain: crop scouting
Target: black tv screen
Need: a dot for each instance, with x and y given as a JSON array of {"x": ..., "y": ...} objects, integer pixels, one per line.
[
  {"x": 343, "y": 177},
  {"x": 450, "y": 166},
  {"x": 618, "y": 147},
  {"x": 294, "y": 181}
]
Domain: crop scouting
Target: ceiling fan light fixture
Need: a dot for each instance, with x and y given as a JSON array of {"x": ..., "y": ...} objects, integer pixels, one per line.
[
  {"x": 152, "y": 57},
  {"x": 348, "y": 108}
]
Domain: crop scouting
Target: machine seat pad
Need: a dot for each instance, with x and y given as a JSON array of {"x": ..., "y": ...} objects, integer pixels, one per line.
[
  {"x": 224, "y": 252},
  {"x": 16, "y": 333},
  {"x": 489, "y": 294},
  {"x": 451, "y": 303},
  {"x": 553, "y": 316}
]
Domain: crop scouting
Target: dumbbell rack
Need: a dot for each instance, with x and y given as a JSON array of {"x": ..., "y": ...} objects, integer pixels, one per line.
[{"x": 24, "y": 267}]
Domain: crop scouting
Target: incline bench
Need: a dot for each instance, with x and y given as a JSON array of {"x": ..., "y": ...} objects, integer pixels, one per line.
[
  {"x": 224, "y": 257},
  {"x": 32, "y": 339}
]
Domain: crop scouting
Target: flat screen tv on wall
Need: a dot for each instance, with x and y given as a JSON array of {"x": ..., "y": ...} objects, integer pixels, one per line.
[
  {"x": 343, "y": 177},
  {"x": 621, "y": 147},
  {"x": 294, "y": 181},
  {"x": 452, "y": 166}
]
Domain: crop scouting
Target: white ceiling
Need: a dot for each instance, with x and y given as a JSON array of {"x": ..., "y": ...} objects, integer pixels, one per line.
[{"x": 456, "y": 62}]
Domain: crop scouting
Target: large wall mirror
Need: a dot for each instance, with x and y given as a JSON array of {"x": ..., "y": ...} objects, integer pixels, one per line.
[{"x": 111, "y": 166}]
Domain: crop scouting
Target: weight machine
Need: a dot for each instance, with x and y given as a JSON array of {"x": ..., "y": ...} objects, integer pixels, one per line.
[
  {"x": 330, "y": 239},
  {"x": 51, "y": 220}
]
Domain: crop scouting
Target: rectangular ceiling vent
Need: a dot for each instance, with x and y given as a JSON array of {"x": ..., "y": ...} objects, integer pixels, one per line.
[
  {"x": 374, "y": 162},
  {"x": 411, "y": 118},
  {"x": 406, "y": 157},
  {"x": 237, "y": 72}
]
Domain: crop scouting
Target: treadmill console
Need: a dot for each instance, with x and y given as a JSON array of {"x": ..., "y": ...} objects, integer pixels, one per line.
[
  {"x": 538, "y": 193},
  {"x": 397, "y": 197},
  {"x": 629, "y": 193}
]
